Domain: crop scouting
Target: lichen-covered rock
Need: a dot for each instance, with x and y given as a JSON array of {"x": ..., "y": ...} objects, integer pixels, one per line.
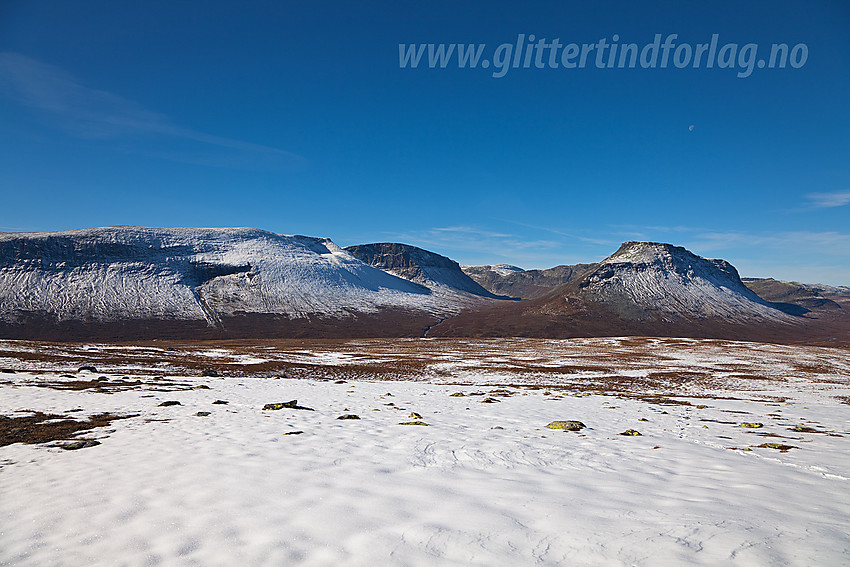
[
  {"x": 458, "y": 395},
  {"x": 203, "y": 413},
  {"x": 490, "y": 401},
  {"x": 202, "y": 387},
  {"x": 81, "y": 444},
  {"x": 779, "y": 446},
  {"x": 349, "y": 416},
  {"x": 291, "y": 404},
  {"x": 415, "y": 415},
  {"x": 567, "y": 425},
  {"x": 631, "y": 433},
  {"x": 413, "y": 423},
  {"x": 170, "y": 403},
  {"x": 800, "y": 428},
  {"x": 752, "y": 425}
]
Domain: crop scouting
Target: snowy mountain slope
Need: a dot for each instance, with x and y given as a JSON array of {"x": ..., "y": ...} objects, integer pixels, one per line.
[
  {"x": 417, "y": 265},
  {"x": 648, "y": 289},
  {"x": 120, "y": 273},
  {"x": 654, "y": 280}
]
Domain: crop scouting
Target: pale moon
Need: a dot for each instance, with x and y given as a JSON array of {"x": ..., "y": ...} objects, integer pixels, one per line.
[{"x": 691, "y": 128}]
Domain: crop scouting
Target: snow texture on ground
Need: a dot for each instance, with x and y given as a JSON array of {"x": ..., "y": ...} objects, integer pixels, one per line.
[{"x": 482, "y": 484}]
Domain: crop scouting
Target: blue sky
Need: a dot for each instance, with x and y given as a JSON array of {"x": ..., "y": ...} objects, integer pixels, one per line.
[{"x": 297, "y": 118}]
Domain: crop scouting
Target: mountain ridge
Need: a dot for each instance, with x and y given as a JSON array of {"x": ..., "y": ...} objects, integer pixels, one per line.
[
  {"x": 127, "y": 282},
  {"x": 649, "y": 289},
  {"x": 120, "y": 274}
]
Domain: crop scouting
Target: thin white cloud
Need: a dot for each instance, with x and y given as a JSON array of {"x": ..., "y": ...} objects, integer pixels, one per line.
[
  {"x": 472, "y": 245},
  {"x": 589, "y": 240},
  {"x": 473, "y": 231},
  {"x": 829, "y": 200},
  {"x": 90, "y": 113},
  {"x": 828, "y": 242}
]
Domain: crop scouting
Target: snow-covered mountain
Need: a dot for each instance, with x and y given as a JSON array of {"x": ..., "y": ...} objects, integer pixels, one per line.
[
  {"x": 644, "y": 288},
  {"x": 651, "y": 280},
  {"x": 186, "y": 274},
  {"x": 126, "y": 283}
]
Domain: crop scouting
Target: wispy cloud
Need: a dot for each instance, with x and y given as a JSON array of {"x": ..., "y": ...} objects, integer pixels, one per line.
[
  {"x": 472, "y": 231},
  {"x": 88, "y": 113},
  {"x": 827, "y": 242},
  {"x": 558, "y": 232},
  {"x": 470, "y": 244},
  {"x": 828, "y": 200}
]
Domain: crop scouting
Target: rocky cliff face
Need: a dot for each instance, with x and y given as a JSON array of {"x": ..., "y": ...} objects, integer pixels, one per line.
[{"x": 418, "y": 265}]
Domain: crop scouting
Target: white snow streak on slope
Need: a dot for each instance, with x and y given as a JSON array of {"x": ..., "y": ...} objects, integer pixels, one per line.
[{"x": 500, "y": 269}]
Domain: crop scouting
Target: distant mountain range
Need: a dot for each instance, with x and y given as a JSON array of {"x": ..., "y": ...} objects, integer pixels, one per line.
[
  {"x": 656, "y": 289},
  {"x": 131, "y": 283},
  {"x": 512, "y": 281}
]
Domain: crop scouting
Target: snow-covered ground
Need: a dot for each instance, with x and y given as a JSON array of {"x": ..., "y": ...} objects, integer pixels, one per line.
[{"x": 482, "y": 484}]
